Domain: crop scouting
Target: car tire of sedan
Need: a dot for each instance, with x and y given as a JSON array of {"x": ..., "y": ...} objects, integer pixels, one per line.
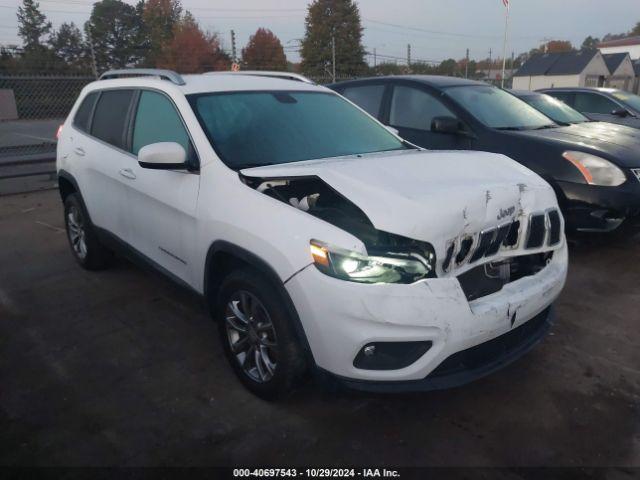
[
  {"x": 84, "y": 243},
  {"x": 257, "y": 334}
]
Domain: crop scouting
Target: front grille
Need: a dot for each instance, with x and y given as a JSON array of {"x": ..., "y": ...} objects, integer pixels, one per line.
[
  {"x": 554, "y": 227},
  {"x": 537, "y": 231},
  {"x": 542, "y": 228}
]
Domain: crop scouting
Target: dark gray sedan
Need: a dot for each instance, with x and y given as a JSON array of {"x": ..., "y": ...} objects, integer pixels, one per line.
[{"x": 601, "y": 104}]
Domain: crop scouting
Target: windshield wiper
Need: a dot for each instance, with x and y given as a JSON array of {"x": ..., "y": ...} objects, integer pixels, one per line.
[
  {"x": 512, "y": 128},
  {"x": 242, "y": 166},
  {"x": 551, "y": 125}
]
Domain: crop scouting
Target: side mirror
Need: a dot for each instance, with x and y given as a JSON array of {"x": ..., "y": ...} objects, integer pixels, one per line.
[
  {"x": 395, "y": 131},
  {"x": 163, "y": 156},
  {"x": 621, "y": 112},
  {"x": 447, "y": 125}
]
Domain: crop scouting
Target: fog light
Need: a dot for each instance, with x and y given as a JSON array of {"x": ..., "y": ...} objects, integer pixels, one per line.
[{"x": 390, "y": 355}]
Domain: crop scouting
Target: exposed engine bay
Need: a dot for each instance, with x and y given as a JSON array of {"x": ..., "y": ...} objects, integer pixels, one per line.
[{"x": 314, "y": 196}]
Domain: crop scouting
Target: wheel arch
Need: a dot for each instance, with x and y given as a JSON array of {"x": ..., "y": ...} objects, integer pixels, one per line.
[{"x": 223, "y": 257}]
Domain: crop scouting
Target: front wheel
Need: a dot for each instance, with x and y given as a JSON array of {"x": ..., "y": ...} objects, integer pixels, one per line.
[{"x": 257, "y": 334}]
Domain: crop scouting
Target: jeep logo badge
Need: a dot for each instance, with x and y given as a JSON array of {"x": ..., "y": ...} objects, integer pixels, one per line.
[{"x": 506, "y": 212}]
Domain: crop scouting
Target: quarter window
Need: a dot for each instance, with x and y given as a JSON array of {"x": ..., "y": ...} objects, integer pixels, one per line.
[
  {"x": 368, "y": 97},
  {"x": 110, "y": 118},
  {"x": 594, "y": 103},
  {"x": 83, "y": 115},
  {"x": 414, "y": 108},
  {"x": 158, "y": 121}
]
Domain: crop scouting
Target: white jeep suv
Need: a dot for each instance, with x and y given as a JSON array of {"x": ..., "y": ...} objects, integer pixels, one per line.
[{"x": 320, "y": 240}]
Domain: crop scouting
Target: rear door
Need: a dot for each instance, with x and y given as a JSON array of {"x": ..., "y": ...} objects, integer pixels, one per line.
[
  {"x": 98, "y": 149},
  {"x": 411, "y": 111},
  {"x": 369, "y": 97},
  {"x": 162, "y": 203}
]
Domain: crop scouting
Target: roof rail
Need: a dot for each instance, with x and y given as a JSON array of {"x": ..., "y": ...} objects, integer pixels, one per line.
[
  {"x": 263, "y": 73},
  {"x": 170, "y": 75}
]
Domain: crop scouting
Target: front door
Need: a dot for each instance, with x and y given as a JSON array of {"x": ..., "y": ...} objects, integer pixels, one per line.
[{"x": 162, "y": 203}]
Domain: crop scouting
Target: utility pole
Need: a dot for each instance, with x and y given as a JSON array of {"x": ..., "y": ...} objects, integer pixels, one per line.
[
  {"x": 375, "y": 59},
  {"x": 409, "y": 56},
  {"x": 333, "y": 57},
  {"x": 466, "y": 66},
  {"x": 233, "y": 47},
  {"x": 506, "y": 37}
]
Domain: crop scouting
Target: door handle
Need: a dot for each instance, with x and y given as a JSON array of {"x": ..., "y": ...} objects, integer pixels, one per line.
[
  {"x": 79, "y": 151},
  {"x": 127, "y": 173}
]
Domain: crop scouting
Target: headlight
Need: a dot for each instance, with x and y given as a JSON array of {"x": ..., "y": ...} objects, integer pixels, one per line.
[
  {"x": 596, "y": 170},
  {"x": 386, "y": 267}
]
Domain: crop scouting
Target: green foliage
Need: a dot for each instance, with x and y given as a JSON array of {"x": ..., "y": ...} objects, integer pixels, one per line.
[
  {"x": 339, "y": 19},
  {"x": 160, "y": 18},
  {"x": 69, "y": 47},
  {"x": 590, "y": 43},
  {"x": 32, "y": 25},
  {"x": 115, "y": 30}
]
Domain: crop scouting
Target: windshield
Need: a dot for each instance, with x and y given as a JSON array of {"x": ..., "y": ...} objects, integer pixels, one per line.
[
  {"x": 630, "y": 99},
  {"x": 498, "y": 109},
  {"x": 249, "y": 129},
  {"x": 555, "y": 109}
]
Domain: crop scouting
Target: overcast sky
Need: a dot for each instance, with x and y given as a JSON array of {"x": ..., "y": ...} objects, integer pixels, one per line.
[{"x": 436, "y": 29}]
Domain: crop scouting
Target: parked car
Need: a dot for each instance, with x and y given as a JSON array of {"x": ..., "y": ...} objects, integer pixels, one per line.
[
  {"x": 595, "y": 175},
  {"x": 601, "y": 104},
  {"x": 319, "y": 239}
]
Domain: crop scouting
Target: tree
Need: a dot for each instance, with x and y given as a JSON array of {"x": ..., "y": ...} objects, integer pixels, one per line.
[
  {"x": 160, "y": 19},
  {"x": 68, "y": 45},
  {"x": 555, "y": 46},
  {"x": 264, "y": 52},
  {"x": 32, "y": 25},
  {"x": 115, "y": 30},
  {"x": 590, "y": 43},
  {"x": 329, "y": 20},
  {"x": 193, "y": 51},
  {"x": 635, "y": 30}
]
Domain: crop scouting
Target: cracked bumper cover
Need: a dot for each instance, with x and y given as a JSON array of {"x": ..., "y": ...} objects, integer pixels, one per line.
[{"x": 340, "y": 317}]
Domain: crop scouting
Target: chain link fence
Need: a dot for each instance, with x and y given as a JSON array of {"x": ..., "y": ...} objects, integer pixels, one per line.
[{"x": 31, "y": 109}]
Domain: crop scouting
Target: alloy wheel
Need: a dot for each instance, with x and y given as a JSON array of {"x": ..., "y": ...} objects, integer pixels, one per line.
[
  {"x": 77, "y": 234},
  {"x": 251, "y": 336}
]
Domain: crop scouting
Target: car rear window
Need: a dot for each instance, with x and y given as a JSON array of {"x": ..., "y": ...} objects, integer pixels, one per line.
[
  {"x": 83, "y": 115},
  {"x": 110, "y": 117}
]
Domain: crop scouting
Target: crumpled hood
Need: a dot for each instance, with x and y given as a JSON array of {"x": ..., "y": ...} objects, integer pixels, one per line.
[
  {"x": 428, "y": 195},
  {"x": 618, "y": 142}
]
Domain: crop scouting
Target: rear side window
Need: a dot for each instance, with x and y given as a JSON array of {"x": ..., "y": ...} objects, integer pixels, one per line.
[
  {"x": 83, "y": 115},
  {"x": 413, "y": 108},
  {"x": 368, "y": 97},
  {"x": 593, "y": 103},
  {"x": 158, "y": 121},
  {"x": 110, "y": 116}
]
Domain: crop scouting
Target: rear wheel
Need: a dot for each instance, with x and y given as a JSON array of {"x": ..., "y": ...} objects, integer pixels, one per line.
[
  {"x": 84, "y": 243},
  {"x": 257, "y": 334}
]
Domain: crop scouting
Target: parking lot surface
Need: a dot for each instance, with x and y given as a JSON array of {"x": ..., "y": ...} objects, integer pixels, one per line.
[{"x": 123, "y": 368}]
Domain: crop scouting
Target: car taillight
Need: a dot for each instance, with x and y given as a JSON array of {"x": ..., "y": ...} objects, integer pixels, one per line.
[{"x": 59, "y": 132}]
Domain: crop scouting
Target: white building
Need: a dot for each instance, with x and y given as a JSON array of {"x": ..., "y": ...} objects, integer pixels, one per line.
[
  {"x": 630, "y": 45},
  {"x": 622, "y": 74},
  {"x": 565, "y": 69}
]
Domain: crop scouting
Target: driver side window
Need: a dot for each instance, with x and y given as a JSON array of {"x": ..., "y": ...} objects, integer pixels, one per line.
[
  {"x": 157, "y": 121},
  {"x": 414, "y": 108},
  {"x": 594, "y": 103}
]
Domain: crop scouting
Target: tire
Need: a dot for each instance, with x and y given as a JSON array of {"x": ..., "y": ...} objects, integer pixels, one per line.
[
  {"x": 273, "y": 359},
  {"x": 84, "y": 243}
]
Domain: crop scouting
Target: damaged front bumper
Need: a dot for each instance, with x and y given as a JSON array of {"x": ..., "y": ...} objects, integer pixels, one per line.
[{"x": 340, "y": 319}]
